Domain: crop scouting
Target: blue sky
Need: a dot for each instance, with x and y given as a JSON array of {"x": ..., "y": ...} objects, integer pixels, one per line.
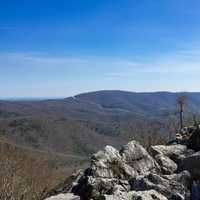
[{"x": 64, "y": 47}]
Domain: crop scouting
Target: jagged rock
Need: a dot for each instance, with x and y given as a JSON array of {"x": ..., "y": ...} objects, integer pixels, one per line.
[
  {"x": 109, "y": 164},
  {"x": 94, "y": 187},
  {"x": 141, "y": 195},
  {"x": 123, "y": 186},
  {"x": 170, "y": 151},
  {"x": 133, "y": 174},
  {"x": 103, "y": 163},
  {"x": 134, "y": 155},
  {"x": 167, "y": 165},
  {"x": 111, "y": 169},
  {"x": 168, "y": 185},
  {"x": 183, "y": 178},
  {"x": 67, "y": 196},
  {"x": 148, "y": 195},
  {"x": 192, "y": 164},
  {"x": 175, "y": 152},
  {"x": 130, "y": 161}
]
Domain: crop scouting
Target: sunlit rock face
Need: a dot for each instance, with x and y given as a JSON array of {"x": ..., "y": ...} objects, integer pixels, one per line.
[
  {"x": 67, "y": 196},
  {"x": 166, "y": 172}
]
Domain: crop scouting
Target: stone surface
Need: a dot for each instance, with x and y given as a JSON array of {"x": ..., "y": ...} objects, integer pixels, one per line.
[
  {"x": 168, "y": 185},
  {"x": 175, "y": 152},
  {"x": 134, "y": 155},
  {"x": 67, "y": 196},
  {"x": 111, "y": 169},
  {"x": 169, "y": 151},
  {"x": 103, "y": 163},
  {"x": 130, "y": 161},
  {"x": 148, "y": 195},
  {"x": 113, "y": 173},
  {"x": 167, "y": 165},
  {"x": 141, "y": 195}
]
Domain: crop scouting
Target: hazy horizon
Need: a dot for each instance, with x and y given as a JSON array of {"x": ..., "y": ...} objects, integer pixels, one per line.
[{"x": 12, "y": 98}]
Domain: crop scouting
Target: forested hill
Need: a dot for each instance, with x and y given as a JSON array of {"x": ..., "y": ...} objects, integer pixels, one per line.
[
  {"x": 90, "y": 105},
  {"x": 56, "y": 125}
]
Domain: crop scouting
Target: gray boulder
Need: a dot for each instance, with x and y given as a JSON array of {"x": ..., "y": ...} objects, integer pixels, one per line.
[
  {"x": 133, "y": 174},
  {"x": 111, "y": 169},
  {"x": 148, "y": 195},
  {"x": 140, "y": 195},
  {"x": 67, "y": 196},
  {"x": 176, "y": 152},
  {"x": 135, "y": 156},
  {"x": 130, "y": 161},
  {"x": 167, "y": 185},
  {"x": 167, "y": 165},
  {"x": 107, "y": 163},
  {"x": 170, "y": 151}
]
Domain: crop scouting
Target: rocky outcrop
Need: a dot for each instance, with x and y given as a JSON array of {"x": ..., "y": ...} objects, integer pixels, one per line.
[
  {"x": 130, "y": 161},
  {"x": 167, "y": 172},
  {"x": 167, "y": 185},
  {"x": 175, "y": 152},
  {"x": 167, "y": 165},
  {"x": 111, "y": 170},
  {"x": 141, "y": 195}
]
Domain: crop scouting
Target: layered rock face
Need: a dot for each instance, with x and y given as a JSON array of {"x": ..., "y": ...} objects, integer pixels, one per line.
[{"x": 169, "y": 172}]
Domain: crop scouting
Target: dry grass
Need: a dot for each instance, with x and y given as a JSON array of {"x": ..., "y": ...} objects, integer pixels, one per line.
[{"x": 25, "y": 176}]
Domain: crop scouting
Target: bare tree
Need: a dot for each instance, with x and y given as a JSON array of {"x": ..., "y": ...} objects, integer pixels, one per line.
[{"x": 181, "y": 102}]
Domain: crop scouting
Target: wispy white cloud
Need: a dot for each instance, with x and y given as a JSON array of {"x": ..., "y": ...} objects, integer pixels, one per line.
[
  {"x": 183, "y": 61},
  {"x": 41, "y": 60},
  {"x": 28, "y": 74},
  {"x": 180, "y": 57}
]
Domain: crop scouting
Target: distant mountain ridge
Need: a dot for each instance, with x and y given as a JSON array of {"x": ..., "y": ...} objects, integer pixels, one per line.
[
  {"x": 85, "y": 123},
  {"x": 104, "y": 103},
  {"x": 149, "y": 104}
]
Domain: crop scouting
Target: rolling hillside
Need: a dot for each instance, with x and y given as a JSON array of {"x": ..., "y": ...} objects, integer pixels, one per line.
[
  {"x": 102, "y": 103},
  {"x": 85, "y": 123}
]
